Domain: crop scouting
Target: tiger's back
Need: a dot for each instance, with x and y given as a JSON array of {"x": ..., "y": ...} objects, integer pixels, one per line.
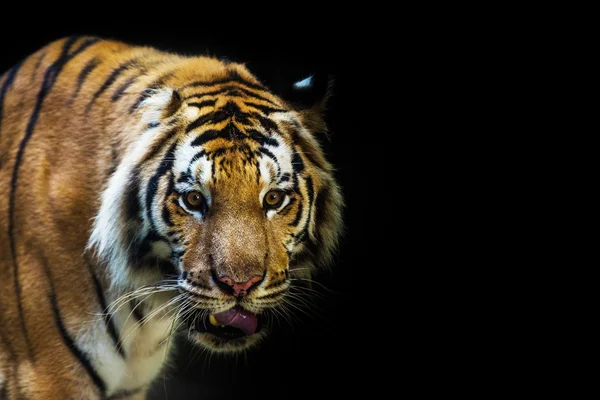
[
  {"x": 65, "y": 114},
  {"x": 57, "y": 153}
]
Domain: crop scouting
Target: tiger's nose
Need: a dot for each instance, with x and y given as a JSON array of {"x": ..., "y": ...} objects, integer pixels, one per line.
[{"x": 238, "y": 289}]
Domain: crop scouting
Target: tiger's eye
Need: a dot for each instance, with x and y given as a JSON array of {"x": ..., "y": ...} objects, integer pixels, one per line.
[
  {"x": 194, "y": 200},
  {"x": 274, "y": 198}
]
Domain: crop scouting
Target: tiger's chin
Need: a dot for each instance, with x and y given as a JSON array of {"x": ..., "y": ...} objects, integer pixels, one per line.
[
  {"x": 219, "y": 344},
  {"x": 224, "y": 339}
]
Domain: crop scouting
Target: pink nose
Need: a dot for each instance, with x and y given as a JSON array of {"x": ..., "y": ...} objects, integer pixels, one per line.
[{"x": 240, "y": 289}]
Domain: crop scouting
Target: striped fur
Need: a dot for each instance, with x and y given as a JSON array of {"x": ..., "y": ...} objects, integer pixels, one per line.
[{"x": 102, "y": 258}]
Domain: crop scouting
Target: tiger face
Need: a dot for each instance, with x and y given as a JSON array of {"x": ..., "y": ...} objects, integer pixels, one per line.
[
  {"x": 237, "y": 209},
  {"x": 234, "y": 201}
]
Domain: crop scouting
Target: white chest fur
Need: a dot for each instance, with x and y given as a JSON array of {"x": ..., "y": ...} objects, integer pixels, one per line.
[{"x": 145, "y": 345}]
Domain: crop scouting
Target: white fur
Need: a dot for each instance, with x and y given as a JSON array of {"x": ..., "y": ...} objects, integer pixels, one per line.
[
  {"x": 153, "y": 106},
  {"x": 191, "y": 113},
  {"x": 204, "y": 166},
  {"x": 266, "y": 165},
  {"x": 107, "y": 238},
  {"x": 145, "y": 357},
  {"x": 184, "y": 154},
  {"x": 142, "y": 344}
]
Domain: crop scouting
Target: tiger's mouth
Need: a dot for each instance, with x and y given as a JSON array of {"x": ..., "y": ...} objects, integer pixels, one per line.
[
  {"x": 228, "y": 330},
  {"x": 231, "y": 324}
]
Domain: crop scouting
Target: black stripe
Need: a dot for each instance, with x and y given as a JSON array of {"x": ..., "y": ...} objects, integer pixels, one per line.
[
  {"x": 284, "y": 178},
  {"x": 143, "y": 96},
  {"x": 110, "y": 80},
  {"x": 297, "y": 163},
  {"x": 156, "y": 148},
  {"x": 197, "y": 156},
  {"x": 68, "y": 340},
  {"x": 188, "y": 176},
  {"x": 84, "y": 45},
  {"x": 262, "y": 139},
  {"x": 267, "y": 124},
  {"x": 311, "y": 194},
  {"x": 311, "y": 191},
  {"x": 232, "y": 91},
  {"x": 10, "y": 78},
  {"x": 137, "y": 309},
  {"x": 234, "y": 77},
  {"x": 288, "y": 207},
  {"x": 89, "y": 67},
  {"x": 49, "y": 80},
  {"x": 121, "y": 90},
  {"x": 296, "y": 138},
  {"x": 185, "y": 177},
  {"x": 124, "y": 394},
  {"x": 265, "y": 109},
  {"x": 205, "y": 103},
  {"x": 212, "y": 93},
  {"x": 132, "y": 204},
  {"x": 232, "y": 109},
  {"x": 213, "y": 118},
  {"x": 230, "y": 132},
  {"x": 166, "y": 215},
  {"x": 298, "y": 216},
  {"x": 165, "y": 165},
  {"x": 157, "y": 84},
  {"x": 108, "y": 320},
  {"x": 257, "y": 96},
  {"x": 37, "y": 66},
  {"x": 207, "y": 136},
  {"x": 272, "y": 157}
]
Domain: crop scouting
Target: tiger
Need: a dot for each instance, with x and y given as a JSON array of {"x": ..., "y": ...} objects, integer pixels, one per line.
[{"x": 146, "y": 194}]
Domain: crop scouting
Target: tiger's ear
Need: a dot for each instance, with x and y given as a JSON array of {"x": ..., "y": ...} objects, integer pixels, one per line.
[
  {"x": 306, "y": 89},
  {"x": 311, "y": 91},
  {"x": 158, "y": 104},
  {"x": 309, "y": 96}
]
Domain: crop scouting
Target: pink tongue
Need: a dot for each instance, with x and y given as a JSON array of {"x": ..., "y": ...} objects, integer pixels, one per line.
[{"x": 238, "y": 318}]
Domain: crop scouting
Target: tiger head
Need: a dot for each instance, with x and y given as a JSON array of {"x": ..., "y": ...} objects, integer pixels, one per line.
[{"x": 224, "y": 195}]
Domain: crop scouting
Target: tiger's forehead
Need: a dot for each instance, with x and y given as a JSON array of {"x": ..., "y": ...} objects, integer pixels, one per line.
[
  {"x": 244, "y": 114},
  {"x": 229, "y": 151}
]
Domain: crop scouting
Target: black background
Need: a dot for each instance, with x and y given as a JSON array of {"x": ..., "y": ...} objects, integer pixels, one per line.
[{"x": 320, "y": 355}]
